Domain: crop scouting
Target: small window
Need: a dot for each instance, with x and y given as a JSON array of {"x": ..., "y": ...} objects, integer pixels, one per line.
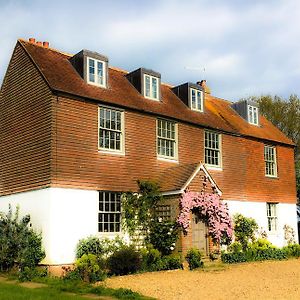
[
  {"x": 151, "y": 85},
  {"x": 212, "y": 149},
  {"x": 252, "y": 115},
  {"x": 96, "y": 72},
  {"x": 163, "y": 212},
  {"x": 272, "y": 216},
  {"x": 270, "y": 161},
  {"x": 166, "y": 139},
  {"x": 109, "y": 215},
  {"x": 111, "y": 129},
  {"x": 196, "y": 99}
]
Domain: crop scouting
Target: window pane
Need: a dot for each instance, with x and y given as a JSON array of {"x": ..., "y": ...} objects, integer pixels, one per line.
[
  {"x": 100, "y": 72},
  {"x": 91, "y": 70},
  {"x": 147, "y": 86},
  {"x": 154, "y": 87}
]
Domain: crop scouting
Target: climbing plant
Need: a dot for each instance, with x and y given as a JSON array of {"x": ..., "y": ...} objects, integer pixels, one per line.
[{"x": 213, "y": 211}]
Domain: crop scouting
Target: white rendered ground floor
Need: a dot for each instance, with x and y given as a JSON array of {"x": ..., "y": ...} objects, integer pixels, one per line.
[{"x": 64, "y": 216}]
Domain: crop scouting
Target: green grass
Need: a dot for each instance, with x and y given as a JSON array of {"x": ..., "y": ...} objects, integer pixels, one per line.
[
  {"x": 56, "y": 288},
  {"x": 9, "y": 291}
]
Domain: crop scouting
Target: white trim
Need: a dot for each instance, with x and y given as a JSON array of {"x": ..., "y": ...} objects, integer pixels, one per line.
[
  {"x": 174, "y": 158},
  {"x": 197, "y": 99},
  {"x": 151, "y": 87},
  {"x": 218, "y": 167},
  {"x": 96, "y": 72},
  {"x": 202, "y": 167},
  {"x": 254, "y": 112},
  {"x": 122, "y": 141}
]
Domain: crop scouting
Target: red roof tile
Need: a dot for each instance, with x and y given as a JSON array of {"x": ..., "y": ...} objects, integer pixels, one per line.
[{"x": 61, "y": 76}]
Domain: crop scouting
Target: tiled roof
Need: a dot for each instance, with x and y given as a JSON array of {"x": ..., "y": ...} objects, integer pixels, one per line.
[
  {"x": 61, "y": 76},
  {"x": 174, "y": 178}
]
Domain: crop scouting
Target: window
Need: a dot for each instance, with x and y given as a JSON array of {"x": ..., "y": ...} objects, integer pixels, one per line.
[
  {"x": 166, "y": 139},
  {"x": 272, "y": 216},
  {"x": 151, "y": 87},
  {"x": 196, "y": 99},
  {"x": 96, "y": 72},
  {"x": 109, "y": 216},
  {"x": 111, "y": 129},
  {"x": 163, "y": 212},
  {"x": 212, "y": 149},
  {"x": 252, "y": 115},
  {"x": 270, "y": 161}
]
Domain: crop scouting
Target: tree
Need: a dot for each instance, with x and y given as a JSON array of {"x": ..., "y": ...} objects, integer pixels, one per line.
[{"x": 285, "y": 115}]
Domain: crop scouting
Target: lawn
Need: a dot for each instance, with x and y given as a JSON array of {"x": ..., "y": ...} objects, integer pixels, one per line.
[{"x": 9, "y": 291}]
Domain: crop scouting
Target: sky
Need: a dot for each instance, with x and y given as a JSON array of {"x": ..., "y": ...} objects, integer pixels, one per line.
[{"x": 242, "y": 48}]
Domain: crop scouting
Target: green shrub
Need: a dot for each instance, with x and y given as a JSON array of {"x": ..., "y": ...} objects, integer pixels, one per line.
[
  {"x": 27, "y": 273},
  {"x": 151, "y": 259},
  {"x": 18, "y": 242},
  {"x": 235, "y": 247},
  {"x": 194, "y": 258},
  {"x": 244, "y": 229},
  {"x": 89, "y": 245},
  {"x": 125, "y": 261},
  {"x": 259, "y": 250},
  {"x": 171, "y": 262},
  {"x": 163, "y": 236},
  {"x": 90, "y": 268},
  {"x": 292, "y": 250},
  {"x": 100, "y": 247}
]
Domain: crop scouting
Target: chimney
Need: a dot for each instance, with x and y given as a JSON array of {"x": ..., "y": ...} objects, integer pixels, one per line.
[
  {"x": 46, "y": 44},
  {"x": 205, "y": 87},
  {"x": 39, "y": 43},
  {"x": 32, "y": 40}
]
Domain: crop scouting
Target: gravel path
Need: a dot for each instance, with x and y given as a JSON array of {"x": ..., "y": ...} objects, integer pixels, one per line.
[{"x": 261, "y": 280}]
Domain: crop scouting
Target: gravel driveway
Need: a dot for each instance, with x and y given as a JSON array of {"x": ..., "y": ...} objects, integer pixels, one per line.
[{"x": 261, "y": 280}]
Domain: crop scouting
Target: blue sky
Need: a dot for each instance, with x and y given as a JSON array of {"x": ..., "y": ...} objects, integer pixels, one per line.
[{"x": 241, "y": 48}]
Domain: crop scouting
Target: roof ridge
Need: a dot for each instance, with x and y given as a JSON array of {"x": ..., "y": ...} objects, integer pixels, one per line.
[{"x": 49, "y": 48}]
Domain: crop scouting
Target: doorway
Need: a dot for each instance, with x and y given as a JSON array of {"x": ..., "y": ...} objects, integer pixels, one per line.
[{"x": 199, "y": 234}]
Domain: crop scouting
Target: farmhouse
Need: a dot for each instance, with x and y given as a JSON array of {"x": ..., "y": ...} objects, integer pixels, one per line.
[{"x": 76, "y": 133}]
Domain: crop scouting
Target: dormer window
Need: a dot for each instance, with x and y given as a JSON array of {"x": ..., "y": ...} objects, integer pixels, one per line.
[
  {"x": 253, "y": 115},
  {"x": 147, "y": 82},
  {"x": 151, "y": 87},
  {"x": 92, "y": 67},
  {"x": 248, "y": 110},
  {"x": 96, "y": 74},
  {"x": 196, "y": 99}
]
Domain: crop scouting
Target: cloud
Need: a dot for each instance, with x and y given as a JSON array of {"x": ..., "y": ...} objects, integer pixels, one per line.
[{"x": 245, "y": 47}]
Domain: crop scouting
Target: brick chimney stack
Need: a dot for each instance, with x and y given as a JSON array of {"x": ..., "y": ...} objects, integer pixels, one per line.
[
  {"x": 204, "y": 85},
  {"x": 44, "y": 44}
]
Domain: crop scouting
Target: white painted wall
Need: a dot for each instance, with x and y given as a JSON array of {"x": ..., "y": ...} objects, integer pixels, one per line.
[
  {"x": 286, "y": 214},
  {"x": 63, "y": 215}
]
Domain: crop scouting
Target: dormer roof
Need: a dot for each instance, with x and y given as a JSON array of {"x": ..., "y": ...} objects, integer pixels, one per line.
[{"x": 58, "y": 71}]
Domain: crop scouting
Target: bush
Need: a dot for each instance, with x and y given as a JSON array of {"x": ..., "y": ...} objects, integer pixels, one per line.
[
  {"x": 259, "y": 250},
  {"x": 235, "y": 247},
  {"x": 125, "y": 261},
  {"x": 171, "y": 262},
  {"x": 27, "y": 273},
  {"x": 99, "y": 247},
  {"x": 193, "y": 258},
  {"x": 292, "y": 250},
  {"x": 90, "y": 268},
  {"x": 244, "y": 229},
  {"x": 18, "y": 243},
  {"x": 90, "y": 245},
  {"x": 163, "y": 236}
]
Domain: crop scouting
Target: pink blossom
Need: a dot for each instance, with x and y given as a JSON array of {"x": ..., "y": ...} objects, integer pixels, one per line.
[{"x": 211, "y": 209}]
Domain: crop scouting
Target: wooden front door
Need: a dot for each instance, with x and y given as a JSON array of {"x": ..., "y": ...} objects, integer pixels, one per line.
[{"x": 199, "y": 234}]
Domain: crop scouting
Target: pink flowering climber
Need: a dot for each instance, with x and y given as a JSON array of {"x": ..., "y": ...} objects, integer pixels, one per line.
[{"x": 212, "y": 210}]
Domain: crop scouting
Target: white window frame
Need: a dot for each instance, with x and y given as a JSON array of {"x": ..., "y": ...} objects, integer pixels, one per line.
[
  {"x": 272, "y": 217},
  {"x": 253, "y": 115},
  {"x": 269, "y": 163},
  {"x": 197, "y": 100},
  {"x": 96, "y": 61},
  {"x": 111, "y": 217},
  {"x": 121, "y": 132},
  {"x": 151, "y": 87},
  {"x": 212, "y": 148},
  {"x": 173, "y": 140}
]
